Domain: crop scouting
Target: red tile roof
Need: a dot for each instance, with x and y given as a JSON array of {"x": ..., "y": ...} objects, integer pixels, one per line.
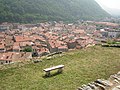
[
  {"x": 6, "y": 56},
  {"x": 2, "y": 46},
  {"x": 16, "y": 45},
  {"x": 22, "y": 38}
]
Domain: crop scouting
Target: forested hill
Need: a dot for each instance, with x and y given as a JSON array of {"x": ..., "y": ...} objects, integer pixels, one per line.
[{"x": 35, "y": 10}]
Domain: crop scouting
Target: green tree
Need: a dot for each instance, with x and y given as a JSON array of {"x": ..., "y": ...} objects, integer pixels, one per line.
[{"x": 28, "y": 49}]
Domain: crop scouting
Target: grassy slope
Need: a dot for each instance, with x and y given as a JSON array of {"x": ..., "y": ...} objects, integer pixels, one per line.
[{"x": 81, "y": 67}]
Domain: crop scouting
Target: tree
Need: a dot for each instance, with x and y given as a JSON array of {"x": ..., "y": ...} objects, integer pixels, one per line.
[{"x": 28, "y": 49}]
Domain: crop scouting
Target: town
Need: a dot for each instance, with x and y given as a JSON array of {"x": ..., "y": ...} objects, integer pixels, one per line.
[{"x": 22, "y": 42}]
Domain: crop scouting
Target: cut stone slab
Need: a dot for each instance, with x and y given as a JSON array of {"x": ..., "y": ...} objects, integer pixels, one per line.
[{"x": 104, "y": 82}]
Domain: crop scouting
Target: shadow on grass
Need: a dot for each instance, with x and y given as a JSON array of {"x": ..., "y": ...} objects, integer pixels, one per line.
[{"x": 52, "y": 75}]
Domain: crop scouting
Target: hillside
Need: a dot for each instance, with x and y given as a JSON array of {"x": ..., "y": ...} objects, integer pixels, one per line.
[
  {"x": 81, "y": 67},
  {"x": 45, "y": 10}
]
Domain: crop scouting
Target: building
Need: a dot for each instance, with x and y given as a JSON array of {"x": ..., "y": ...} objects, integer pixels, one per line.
[
  {"x": 114, "y": 33},
  {"x": 11, "y": 57}
]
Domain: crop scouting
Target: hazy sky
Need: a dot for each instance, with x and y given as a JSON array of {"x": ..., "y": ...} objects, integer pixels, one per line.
[{"x": 110, "y": 3}]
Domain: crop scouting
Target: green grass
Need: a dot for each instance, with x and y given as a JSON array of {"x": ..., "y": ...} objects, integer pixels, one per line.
[{"x": 81, "y": 67}]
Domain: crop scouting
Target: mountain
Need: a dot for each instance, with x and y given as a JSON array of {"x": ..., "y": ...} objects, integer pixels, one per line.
[{"x": 45, "y": 10}]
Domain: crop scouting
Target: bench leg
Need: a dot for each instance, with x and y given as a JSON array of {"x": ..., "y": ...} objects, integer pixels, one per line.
[
  {"x": 47, "y": 73},
  {"x": 60, "y": 70}
]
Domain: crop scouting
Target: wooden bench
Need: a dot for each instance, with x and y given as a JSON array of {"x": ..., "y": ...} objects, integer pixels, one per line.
[{"x": 59, "y": 67}]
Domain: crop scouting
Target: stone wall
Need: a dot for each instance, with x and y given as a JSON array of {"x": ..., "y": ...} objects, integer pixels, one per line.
[{"x": 113, "y": 83}]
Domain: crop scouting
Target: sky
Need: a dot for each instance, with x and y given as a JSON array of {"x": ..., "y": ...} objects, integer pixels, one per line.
[{"x": 115, "y": 4}]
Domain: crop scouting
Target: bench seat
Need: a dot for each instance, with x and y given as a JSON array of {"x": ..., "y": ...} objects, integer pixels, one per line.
[
  {"x": 59, "y": 67},
  {"x": 53, "y": 68}
]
